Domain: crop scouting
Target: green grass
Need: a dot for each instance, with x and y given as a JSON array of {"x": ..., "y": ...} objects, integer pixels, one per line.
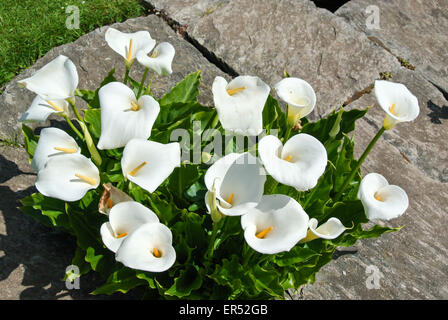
[{"x": 30, "y": 28}]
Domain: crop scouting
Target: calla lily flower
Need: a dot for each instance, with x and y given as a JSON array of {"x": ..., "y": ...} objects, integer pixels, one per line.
[
  {"x": 331, "y": 229},
  {"x": 240, "y": 103},
  {"x": 237, "y": 180},
  {"x": 148, "y": 248},
  {"x": 125, "y": 218},
  {"x": 110, "y": 197},
  {"x": 128, "y": 44},
  {"x": 56, "y": 80},
  {"x": 381, "y": 200},
  {"x": 397, "y": 101},
  {"x": 149, "y": 163},
  {"x": 53, "y": 142},
  {"x": 277, "y": 224},
  {"x": 41, "y": 109},
  {"x": 299, "y": 95},
  {"x": 68, "y": 177},
  {"x": 299, "y": 163},
  {"x": 160, "y": 60},
  {"x": 123, "y": 117}
]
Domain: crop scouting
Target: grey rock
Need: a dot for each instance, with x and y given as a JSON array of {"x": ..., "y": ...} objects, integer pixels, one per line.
[
  {"x": 413, "y": 261},
  {"x": 94, "y": 59},
  {"x": 415, "y": 30},
  {"x": 423, "y": 141}
]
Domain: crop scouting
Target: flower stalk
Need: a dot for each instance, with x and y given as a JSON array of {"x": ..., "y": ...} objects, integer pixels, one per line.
[{"x": 142, "y": 83}]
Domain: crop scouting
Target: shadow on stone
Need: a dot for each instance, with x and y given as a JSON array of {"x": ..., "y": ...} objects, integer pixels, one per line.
[
  {"x": 339, "y": 253},
  {"x": 437, "y": 112},
  {"x": 331, "y": 5}
]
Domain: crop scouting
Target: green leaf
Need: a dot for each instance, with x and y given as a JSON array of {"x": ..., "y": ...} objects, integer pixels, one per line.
[
  {"x": 122, "y": 281},
  {"x": 295, "y": 255},
  {"x": 188, "y": 281},
  {"x": 92, "y": 117},
  {"x": 30, "y": 140},
  {"x": 185, "y": 91}
]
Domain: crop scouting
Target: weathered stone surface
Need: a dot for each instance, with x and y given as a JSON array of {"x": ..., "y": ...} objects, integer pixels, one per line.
[
  {"x": 265, "y": 38},
  {"x": 415, "y": 30},
  {"x": 424, "y": 141},
  {"x": 94, "y": 59},
  {"x": 413, "y": 261}
]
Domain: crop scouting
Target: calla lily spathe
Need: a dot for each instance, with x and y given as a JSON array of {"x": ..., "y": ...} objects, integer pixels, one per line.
[
  {"x": 148, "y": 248},
  {"x": 331, "y": 229},
  {"x": 238, "y": 182},
  {"x": 41, "y": 109},
  {"x": 299, "y": 95},
  {"x": 240, "y": 103},
  {"x": 299, "y": 163},
  {"x": 125, "y": 218},
  {"x": 149, "y": 163},
  {"x": 128, "y": 44},
  {"x": 160, "y": 60},
  {"x": 53, "y": 142},
  {"x": 275, "y": 225},
  {"x": 110, "y": 197},
  {"x": 380, "y": 199},
  {"x": 123, "y": 117},
  {"x": 67, "y": 177},
  {"x": 397, "y": 101},
  {"x": 57, "y": 80}
]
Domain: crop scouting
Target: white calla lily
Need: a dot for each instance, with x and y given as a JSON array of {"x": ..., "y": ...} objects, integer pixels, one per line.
[
  {"x": 331, "y": 229},
  {"x": 128, "y": 44},
  {"x": 160, "y": 60},
  {"x": 148, "y": 248},
  {"x": 380, "y": 199},
  {"x": 53, "y": 142},
  {"x": 238, "y": 181},
  {"x": 123, "y": 117},
  {"x": 67, "y": 177},
  {"x": 57, "y": 80},
  {"x": 149, "y": 163},
  {"x": 240, "y": 103},
  {"x": 397, "y": 101},
  {"x": 299, "y": 163},
  {"x": 276, "y": 224},
  {"x": 299, "y": 95},
  {"x": 125, "y": 218},
  {"x": 110, "y": 197},
  {"x": 41, "y": 109}
]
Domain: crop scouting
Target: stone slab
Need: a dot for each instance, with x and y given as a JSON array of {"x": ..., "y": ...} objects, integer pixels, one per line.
[
  {"x": 265, "y": 38},
  {"x": 424, "y": 141},
  {"x": 413, "y": 261},
  {"x": 94, "y": 59},
  {"x": 416, "y": 30}
]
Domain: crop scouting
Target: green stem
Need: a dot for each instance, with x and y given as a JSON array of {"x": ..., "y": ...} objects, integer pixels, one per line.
[
  {"x": 211, "y": 245},
  {"x": 360, "y": 161},
  {"x": 148, "y": 88},
  {"x": 142, "y": 83},
  {"x": 126, "y": 74},
  {"x": 249, "y": 254},
  {"x": 75, "y": 110},
  {"x": 70, "y": 123}
]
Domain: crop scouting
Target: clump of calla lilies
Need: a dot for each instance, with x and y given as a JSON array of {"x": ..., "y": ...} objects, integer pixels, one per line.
[{"x": 250, "y": 221}]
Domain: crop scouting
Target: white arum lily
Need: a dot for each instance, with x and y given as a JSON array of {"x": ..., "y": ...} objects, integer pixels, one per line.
[
  {"x": 238, "y": 183},
  {"x": 380, "y": 199},
  {"x": 123, "y": 117},
  {"x": 148, "y": 248},
  {"x": 277, "y": 224},
  {"x": 160, "y": 60},
  {"x": 299, "y": 163},
  {"x": 41, "y": 109},
  {"x": 240, "y": 103},
  {"x": 125, "y": 218},
  {"x": 397, "y": 101},
  {"x": 68, "y": 177},
  {"x": 53, "y": 142},
  {"x": 149, "y": 163},
  {"x": 331, "y": 229},
  {"x": 128, "y": 44},
  {"x": 299, "y": 95},
  {"x": 110, "y": 197},
  {"x": 56, "y": 80}
]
